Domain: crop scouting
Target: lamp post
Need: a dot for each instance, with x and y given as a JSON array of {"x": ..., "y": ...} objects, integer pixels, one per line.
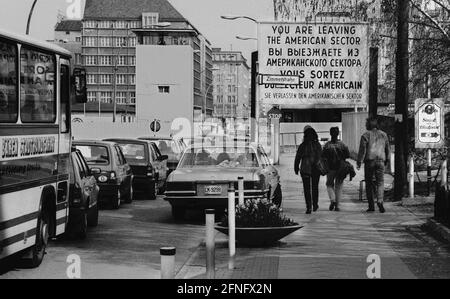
[{"x": 29, "y": 16}]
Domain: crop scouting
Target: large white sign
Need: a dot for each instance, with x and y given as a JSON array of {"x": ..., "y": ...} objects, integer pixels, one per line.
[
  {"x": 429, "y": 123},
  {"x": 331, "y": 61}
]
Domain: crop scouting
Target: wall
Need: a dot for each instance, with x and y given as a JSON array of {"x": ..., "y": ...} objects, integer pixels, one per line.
[
  {"x": 353, "y": 126},
  {"x": 164, "y": 66}
]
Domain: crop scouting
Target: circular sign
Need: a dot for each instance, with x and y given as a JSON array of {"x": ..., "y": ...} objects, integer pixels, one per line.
[
  {"x": 155, "y": 126},
  {"x": 274, "y": 113}
]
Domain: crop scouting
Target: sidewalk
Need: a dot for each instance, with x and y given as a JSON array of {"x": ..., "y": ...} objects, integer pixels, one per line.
[{"x": 333, "y": 244}]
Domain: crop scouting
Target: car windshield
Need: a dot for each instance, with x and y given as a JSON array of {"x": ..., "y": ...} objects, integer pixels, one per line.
[
  {"x": 168, "y": 147},
  {"x": 133, "y": 152},
  {"x": 219, "y": 157},
  {"x": 94, "y": 154}
]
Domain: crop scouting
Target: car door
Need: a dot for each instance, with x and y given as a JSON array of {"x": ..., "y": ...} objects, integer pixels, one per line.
[
  {"x": 123, "y": 169},
  {"x": 162, "y": 164},
  {"x": 88, "y": 182}
]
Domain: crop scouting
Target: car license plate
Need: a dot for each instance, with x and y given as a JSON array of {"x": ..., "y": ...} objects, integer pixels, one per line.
[{"x": 213, "y": 190}]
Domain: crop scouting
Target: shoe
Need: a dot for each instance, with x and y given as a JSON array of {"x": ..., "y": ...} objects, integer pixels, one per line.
[
  {"x": 308, "y": 211},
  {"x": 381, "y": 207},
  {"x": 337, "y": 209},
  {"x": 316, "y": 208},
  {"x": 332, "y": 205}
]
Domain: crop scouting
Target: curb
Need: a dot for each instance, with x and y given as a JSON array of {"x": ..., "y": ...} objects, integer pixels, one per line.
[{"x": 438, "y": 229}]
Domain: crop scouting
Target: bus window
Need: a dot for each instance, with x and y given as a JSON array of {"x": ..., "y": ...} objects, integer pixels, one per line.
[
  {"x": 64, "y": 94},
  {"x": 37, "y": 87},
  {"x": 8, "y": 82}
]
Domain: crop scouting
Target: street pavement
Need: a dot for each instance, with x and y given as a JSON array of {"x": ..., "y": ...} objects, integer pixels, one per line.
[
  {"x": 125, "y": 245},
  {"x": 334, "y": 244}
]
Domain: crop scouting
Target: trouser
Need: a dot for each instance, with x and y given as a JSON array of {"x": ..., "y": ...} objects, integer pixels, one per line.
[
  {"x": 334, "y": 187},
  {"x": 374, "y": 169},
  {"x": 311, "y": 190}
]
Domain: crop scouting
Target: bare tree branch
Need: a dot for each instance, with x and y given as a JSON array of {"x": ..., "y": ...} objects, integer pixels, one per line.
[
  {"x": 431, "y": 19},
  {"x": 442, "y": 5}
]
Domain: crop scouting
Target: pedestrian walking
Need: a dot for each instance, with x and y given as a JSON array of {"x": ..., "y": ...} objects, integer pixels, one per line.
[
  {"x": 335, "y": 152},
  {"x": 306, "y": 159},
  {"x": 374, "y": 152}
]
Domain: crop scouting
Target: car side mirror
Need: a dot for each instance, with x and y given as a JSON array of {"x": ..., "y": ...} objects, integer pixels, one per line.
[
  {"x": 164, "y": 157},
  {"x": 96, "y": 170}
]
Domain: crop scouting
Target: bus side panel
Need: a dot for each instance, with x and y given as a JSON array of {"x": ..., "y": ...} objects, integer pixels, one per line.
[{"x": 18, "y": 223}]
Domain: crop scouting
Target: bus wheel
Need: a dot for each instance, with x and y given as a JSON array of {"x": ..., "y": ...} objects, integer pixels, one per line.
[{"x": 37, "y": 252}]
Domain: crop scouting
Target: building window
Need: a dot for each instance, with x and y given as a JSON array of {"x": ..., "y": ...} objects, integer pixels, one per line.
[
  {"x": 121, "y": 97},
  {"x": 121, "y": 60},
  {"x": 229, "y": 99},
  {"x": 91, "y": 79},
  {"x": 132, "y": 98},
  {"x": 164, "y": 89},
  {"x": 90, "y": 24},
  {"x": 132, "y": 79},
  {"x": 78, "y": 58},
  {"x": 105, "y": 41},
  {"x": 121, "y": 24},
  {"x": 104, "y": 24},
  {"x": 92, "y": 96},
  {"x": 149, "y": 19},
  {"x": 132, "y": 60},
  {"x": 121, "y": 41},
  {"x": 105, "y": 97},
  {"x": 105, "y": 79},
  {"x": 105, "y": 60},
  {"x": 90, "y": 60},
  {"x": 121, "y": 79},
  {"x": 132, "y": 41},
  {"x": 135, "y": 24},
  {"x": 89, "y": 41},
  {"x": 78, "y": 39}
]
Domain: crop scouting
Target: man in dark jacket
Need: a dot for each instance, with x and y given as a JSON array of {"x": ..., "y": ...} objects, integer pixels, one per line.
[{"x": 374, "y": 152}]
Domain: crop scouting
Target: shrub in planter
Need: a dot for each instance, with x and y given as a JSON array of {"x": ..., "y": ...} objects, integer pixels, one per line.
[{"x": 259, "y": 213}]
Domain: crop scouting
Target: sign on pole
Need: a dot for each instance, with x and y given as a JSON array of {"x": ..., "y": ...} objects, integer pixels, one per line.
[
  {"x": 331, "y": 61},
  {"x": 429, "y": 115}
]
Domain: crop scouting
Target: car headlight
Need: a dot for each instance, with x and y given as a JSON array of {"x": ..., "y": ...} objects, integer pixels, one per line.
[{"x": 102, "y": 179}]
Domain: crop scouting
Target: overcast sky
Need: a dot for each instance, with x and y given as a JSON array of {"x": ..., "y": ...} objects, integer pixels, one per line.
[{"x": 203, "y": 14}]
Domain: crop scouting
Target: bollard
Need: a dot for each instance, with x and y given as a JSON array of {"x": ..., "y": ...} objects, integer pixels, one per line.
[
  {"x": 210, "y": 244},
  {"x": 429, "y": 172},
  {"x": 167, "y": 262},
  {"x": 231, "y": 226},
  {"x": 392, "y": 163},
  {"x": 411, "y": 177},
  {"x": 241, "y": 190}
]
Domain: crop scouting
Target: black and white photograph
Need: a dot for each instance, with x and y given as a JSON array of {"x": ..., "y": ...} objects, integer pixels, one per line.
[{"x": 224, "y": 146}]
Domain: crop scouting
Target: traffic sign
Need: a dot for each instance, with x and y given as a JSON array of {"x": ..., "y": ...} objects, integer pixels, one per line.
[
  {"x": 274, "y": 113},
  {"x": 155, "y": 126},
  {"x": 277, "y": 80},
  {"x": 429, "y": 123}
]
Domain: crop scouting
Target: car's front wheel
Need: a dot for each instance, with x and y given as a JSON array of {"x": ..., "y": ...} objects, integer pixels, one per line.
[
  {"x": 178, "y": 213},
  {"x": 130, "y": 195}
]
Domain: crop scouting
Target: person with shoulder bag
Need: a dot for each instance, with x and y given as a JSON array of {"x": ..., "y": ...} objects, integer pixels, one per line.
[
  {"x": 334, "y": 153},
  {"x": 306, "y": 159}
]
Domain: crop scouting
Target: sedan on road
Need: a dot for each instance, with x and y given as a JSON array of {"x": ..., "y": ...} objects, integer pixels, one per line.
[
  {"x": 149, "y": 166},
  {"x": 204, "y": 173},
  {"x": 110, "y": 168}
]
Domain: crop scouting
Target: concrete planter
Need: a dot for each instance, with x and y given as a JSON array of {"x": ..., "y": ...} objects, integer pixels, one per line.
[{"x": 260, "y": 236}]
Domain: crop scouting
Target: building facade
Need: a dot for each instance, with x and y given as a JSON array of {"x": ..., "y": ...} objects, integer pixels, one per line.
[
  {"x": 109, "y": 43},
  {"x": 232, "y": 81}
]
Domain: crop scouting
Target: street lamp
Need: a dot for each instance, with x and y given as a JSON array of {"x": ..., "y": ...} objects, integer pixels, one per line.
[
  {"x": 235, "y": 17},
  {"x": 29, "y": 16}
]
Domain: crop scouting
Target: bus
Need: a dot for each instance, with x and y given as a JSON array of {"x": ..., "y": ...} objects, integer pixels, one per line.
[{"x": 37, "y": 87}]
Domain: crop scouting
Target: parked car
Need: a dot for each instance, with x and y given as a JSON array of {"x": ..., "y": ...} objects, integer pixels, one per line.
[
  {"x": 204, "y": 173},
  {"x": 110, "y": 168},
  {"x": 83, "y": 193},
  {"x": 171, "y": 147},
  {"x": 149, "y": 166}
]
